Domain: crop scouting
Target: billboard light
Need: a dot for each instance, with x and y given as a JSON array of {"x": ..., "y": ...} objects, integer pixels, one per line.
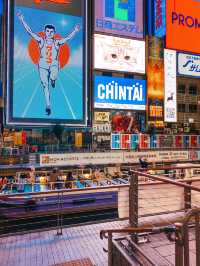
[{"x": 47, "y": 63}]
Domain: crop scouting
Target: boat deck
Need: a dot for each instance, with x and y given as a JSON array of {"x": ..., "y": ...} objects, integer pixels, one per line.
[{"x": 81, "y": 242}]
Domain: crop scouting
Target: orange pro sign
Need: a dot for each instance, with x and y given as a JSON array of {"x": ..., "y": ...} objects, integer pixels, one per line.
[{"x": 183, "y": 25}]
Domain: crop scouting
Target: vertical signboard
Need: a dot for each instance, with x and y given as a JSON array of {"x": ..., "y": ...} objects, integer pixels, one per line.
[
  {"x": 134, "y": 141},
  {"x": 115, "y": 142},
  {"x": 119, "y": 17},
  {"x": 125, "y": 141},
  {"x": 155, "y": 47},
  {"x": 170, "y": 85},
  {"x": 47, "y": 62},
  {"x": 159, "y": 18},
  {"x": 155, "y": 93}
]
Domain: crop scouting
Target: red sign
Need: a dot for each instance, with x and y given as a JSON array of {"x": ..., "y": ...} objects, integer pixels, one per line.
[
  {"x": 178, "y": 141},
  {"x": 125, "y": 141},
  {"x": 54, "y": 1}
]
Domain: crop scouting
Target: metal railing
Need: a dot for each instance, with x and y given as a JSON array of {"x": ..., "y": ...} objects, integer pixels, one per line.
[{"x": 117, "y": 250}]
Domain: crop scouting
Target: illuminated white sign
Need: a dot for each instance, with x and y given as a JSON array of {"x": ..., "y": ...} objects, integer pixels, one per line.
[
  {"x": 170, "y": 86},
  {"x": 189, "y": 65},
  {"x": 119, "y": 54}
]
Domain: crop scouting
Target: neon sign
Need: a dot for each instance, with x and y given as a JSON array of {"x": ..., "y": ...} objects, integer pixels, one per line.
[{"x": 54, "y": 1}]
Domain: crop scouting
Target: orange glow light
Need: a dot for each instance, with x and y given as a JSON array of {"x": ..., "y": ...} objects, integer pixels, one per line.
[{"x": 54, "y": 1}]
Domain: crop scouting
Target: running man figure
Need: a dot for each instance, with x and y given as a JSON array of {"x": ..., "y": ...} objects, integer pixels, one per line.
[{"x": 49, "y": 49}]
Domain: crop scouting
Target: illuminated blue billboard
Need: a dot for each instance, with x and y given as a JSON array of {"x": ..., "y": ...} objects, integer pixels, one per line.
[
  {"x": 119, "y": 93},
  {"x": 159, "y": 18},
  {"x": 156, "y": 18},
  {"x": 120, "y": 17},
  {"x": 47, "y": 62}
]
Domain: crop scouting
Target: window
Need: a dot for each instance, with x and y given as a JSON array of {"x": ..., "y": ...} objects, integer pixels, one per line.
[
  {"x": 193, "y": 89},
  {"x": 181, "y": 108},
  {"x": 181, "y": 88},
  {"x": 192, "y": 108}
]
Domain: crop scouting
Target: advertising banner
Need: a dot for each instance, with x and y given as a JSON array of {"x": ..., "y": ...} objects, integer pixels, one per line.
[
  {"x": 125, "y": 141},
  {"x": 182, "y": 25},
  {"x": 115, "y": 157},
  {"x": 193, "y": 141},
  {"x": 119, "y": 17},
  {"x": 159, "y": 18},
  {"x": 144, "y": 141},
  {"x": 101, "y": 116},
  {"x": 186, "y": 141},
  {"x": 119, "y": 93},
  {"x": 193, "y": 155},
  {"x": 155, "y": 47},
  {"x": 101, "y": 128},
  {"x": 119, "y": 54},
  {"x": 78, "y": 139},
  {"x": 134, "y": 141},
  {"x": 101, "y": 141},
  {"x": 115, "y": 142},
  {"x": 154, "y": 141},
  {"x": 155, "y": 93},
  {"x": 166, "y": 141},
  {"x": 179, "y": 141},
  {"x": 188, "y": 65},
  {"x": 81, "y": 158},
  {"x": 127, "y": 121},
  {"x": 47, "y": 62},
  {"x": 170, "y": 85}
]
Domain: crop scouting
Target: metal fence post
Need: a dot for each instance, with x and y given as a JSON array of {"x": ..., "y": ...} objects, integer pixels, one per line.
[
  {"x": 59, "y": 214},
  {"x": 187, "y": 197},
  {"x": 179, "y": 245},
  {"x": 197, "y": 233},
  {"x": 133, "y": 203},
  {"x": 110, "y": 250}
]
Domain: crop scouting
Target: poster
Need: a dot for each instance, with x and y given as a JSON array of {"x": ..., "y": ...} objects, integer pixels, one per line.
[
  {"x": 182, "y": 25},
  {"x": 47, "y": 62},
  {"x": 170, "y": 85},
  {"x": 155, "y": 93},
  {"x": 127, "y": 121},
  {"x": 119, "y": 54},
  {"x": 188, "y": 65},
  {"x": 119, "y": 17}
]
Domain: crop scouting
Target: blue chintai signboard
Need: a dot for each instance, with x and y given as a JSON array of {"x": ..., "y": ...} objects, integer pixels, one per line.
[{"x": 119, "y": 93}]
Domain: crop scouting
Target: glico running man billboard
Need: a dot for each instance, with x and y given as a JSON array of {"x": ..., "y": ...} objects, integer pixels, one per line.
[
  {"x": 119, "y": 93},
  {"x": 47, "y": 53},
  {"x": 119, "y": 17}
]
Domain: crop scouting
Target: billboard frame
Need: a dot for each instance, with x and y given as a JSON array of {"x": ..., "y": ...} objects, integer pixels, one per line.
[
  {"x": 9, "y": 120},
  {"x": 115, "y": 34},
  {"x": 177, "y": 72},
  {"x": 114, "y": 70}
]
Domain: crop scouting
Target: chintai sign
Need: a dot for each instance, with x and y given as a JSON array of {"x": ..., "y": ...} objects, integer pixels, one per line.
[{"x": 119, "y": 93}]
